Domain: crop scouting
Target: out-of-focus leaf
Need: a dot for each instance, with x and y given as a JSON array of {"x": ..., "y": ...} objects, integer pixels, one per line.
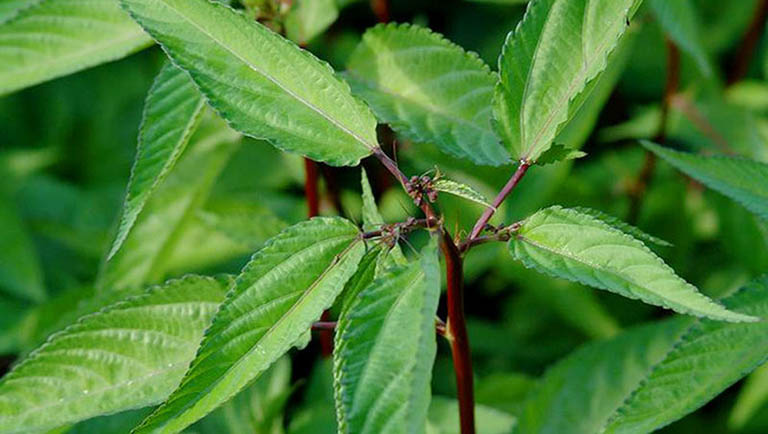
[
  {"x": 575, "y": 246},
  {"x": 428, "y": 89},
  {"x": 741, "y": 179},
  {"x": 130, "y": 355},
  {"x": 385, "y": 348},
  {"x": 751, "y": 398},
  {"x": 679, "y": 21},
  {"x": 546, "y": 63},
  {"x": 171, "y": 113},
  {"x": 558, "y": 153},
  {"x": 51, "y": 38},
  {"x": 309, "y": 18},
  {"x": 283, "y": 289},
  {"x": 9, "y": 8},
  {"x": 458, "y": 189},
  {"x": 444, "y": 418},
  {"x": 261, "y": 83},
  {"x": 20, "y": 272}
]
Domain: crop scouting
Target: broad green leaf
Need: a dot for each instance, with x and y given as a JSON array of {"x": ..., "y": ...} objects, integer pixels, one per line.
[
  {"x": 20, "y": 273},
  {"x": 622, "y": 226},
  {"x": 283, "y": 289},
  {"x": 171, "y": 113},
  {"x": 679, "y": 22},
  {"x": 262, "y": 84},
  {"x": 710, "y": 357},
  {"x": 458, "y": 189},
  {"x": 132, "y": 354},
  {"x": 145, "y": 255},
  {"x": 566, "y": 400},
  {"x": 546, "y": 63},
  {"x": 428, "y": 89},
  {"x": 558, "y": 153},
  {"x": 752, "y": 396},
  {"x": 740, "y": 179},
  {"x": 444, "y": 418},
  {"x": 575, "y": 246},
  {"x": 385, "y": 348},
  {"x": 309, "y": 18},
  {"x": 52, "y": 38}
]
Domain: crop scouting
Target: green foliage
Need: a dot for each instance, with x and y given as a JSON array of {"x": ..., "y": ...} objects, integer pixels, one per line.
[
  {"x": 428, "y": 89},
  {"x": 271, "y": 306},
  {"x": 679, "y": 21},
  {"x": 575, "y": 246},
  {"x": 309, "y": 18},
  {"x": 131, "y": 354},
  {"x": 443, "y": 418},
  {"x": 385, "y": 348},
  {"x": 259, "y": 82},
  {"x": 627, "y": 228},
  {"x": 20, "y": 272},
  {"x": 458, "y": 189},
  {"x": 51, "y": 38}
]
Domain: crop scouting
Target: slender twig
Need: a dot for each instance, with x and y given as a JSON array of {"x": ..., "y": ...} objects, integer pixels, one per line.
[
  {"x": 324, "y": 326},
  {"x": 329, "y": 326},
  {"x": 522, "y": 169},
  {"x": 310, "y": 188},
  {"x": 749, "y": 42},
  {"x": 637, "y": 191}
]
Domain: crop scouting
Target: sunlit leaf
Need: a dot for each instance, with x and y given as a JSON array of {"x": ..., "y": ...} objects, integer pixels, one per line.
[
  {"x": 309, "y": 18},
  {"x": 261, "y": 83},
  {"x": 622, "y": 226}
]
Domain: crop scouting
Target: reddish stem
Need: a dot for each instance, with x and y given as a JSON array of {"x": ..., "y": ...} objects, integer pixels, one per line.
[
  {"x": 748, "y": 44},
  {"x": 488, "y": 213},
  {"x": 381, "y": 10}
]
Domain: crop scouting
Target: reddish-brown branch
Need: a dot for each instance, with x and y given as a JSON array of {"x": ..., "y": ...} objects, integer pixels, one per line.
[
  {"x": 381, "y": 10},
  {"x": 749, "y": 43}
]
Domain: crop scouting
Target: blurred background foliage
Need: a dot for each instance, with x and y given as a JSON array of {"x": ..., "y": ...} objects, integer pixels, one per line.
[{"x": 67, "y": 146}]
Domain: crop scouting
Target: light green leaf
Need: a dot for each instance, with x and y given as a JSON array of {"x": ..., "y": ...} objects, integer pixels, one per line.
[
  {"x": 9, "y": 8},
  {"x": 622, "y": 226},
  {"x": 428, "y": 89},
  {"x": 373, "y": 220},
  {"x": 283, "y": 289},
  {"x": 385, "y": 348},
  {"x": 546, "y": 63},
  {"x": 132, "y": 354},
  {"x": 20, "y": 272},
  {"x": 52, "y": 38},
  {"x": 679, "y": 22},
  {"x": 575, "y": 246},
  {"x": 309, "y": 18},
  {"x": 558, "y": 153},
  {"x": 262, "y": 84},
  {"x": 171, "y": 113},
  {"x": 740, "y": 179},
  {"x": 462, "y": 190},
  {"x": 145, "y": 255},
  {"x": 752, "y": 396},
  {"x": 444, "y": 418},
  {"x": 709, "y": 358}
]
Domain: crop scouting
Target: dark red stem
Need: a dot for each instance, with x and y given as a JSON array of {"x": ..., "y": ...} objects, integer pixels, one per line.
[
  {"x": 488, "y": 213},
  {"x": 381, "y": 10},
  {"x": 748, "y": 44}
]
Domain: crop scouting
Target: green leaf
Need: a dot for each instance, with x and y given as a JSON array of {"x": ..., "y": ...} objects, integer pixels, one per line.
[
  {"x": 740, "y": 179},
  {"x": 444, "y": 418},
  {"x": 558, "y": 153},
  {"x": 622, "y": 226},
  {"x": 283, "y": 289},
  {"x": 462, "y": 190},
  {"x": 171, "y": 114},
  {"x": 385, "y": 348},
  {"x": 262, "y": 84},
  {"x": 52, "y": 38},
  {"x": 309, "y": 18},
  {"x": 132, "y": 354},
  {"x": 20, "y": 273},
  {"x": 428, "y": 89},
  {"x": 709, "y": 358},
  {"x": 144, "y": 257},
  {"x": 752, "y": 396},
  {"x": 373, "y": 220},
  {"x": 9, "y": 8},
  {"x": 679, "y": 22},
  {"x": 546, "y": 63},
  {"x": 575, "y": 246}
]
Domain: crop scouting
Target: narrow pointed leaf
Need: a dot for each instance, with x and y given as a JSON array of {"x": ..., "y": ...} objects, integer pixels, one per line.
[
  {"x": 575, "y": 246},
  {"x": 171, "y": 114},
  {"x": 679, "y": 22},
  {"x": 283, "y": 289},
  {"x": 261, "y": 83},
  {"x": 428, "y": 89},
  {"x": 558, "y": 153},
  {"x": 51, "y": 38},
  {"x": 385, "y": 350},
  {"x": 622, "y": 226},
  {"x": 546, "y": 63},
  {"x": 709, "y": 358},
  {"x": 740, "y": 179},
  {"x": 462, "y": 190},
  {"x": 373, "y": 220},
  {"x": 130, "y": 355}
]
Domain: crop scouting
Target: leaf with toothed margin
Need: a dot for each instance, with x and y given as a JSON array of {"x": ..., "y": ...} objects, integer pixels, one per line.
[
  {"x": 385, "y": 348},
  {"x": 428, "y": 89},
  {"x": 261, "y": 83},
  {"x": 271, "y": 306},
  {"x": 171, "y": 114},
  {"x": 462, "y": 190},
  {"x": 131, "y": 354},
  {"x": 546, "y": 64},
  {"x": 575, "y": 246},
  {"x": 42, "y": 40},
  {"x": 622, "y": 226},
  {"x": 373, "y": 220}
]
